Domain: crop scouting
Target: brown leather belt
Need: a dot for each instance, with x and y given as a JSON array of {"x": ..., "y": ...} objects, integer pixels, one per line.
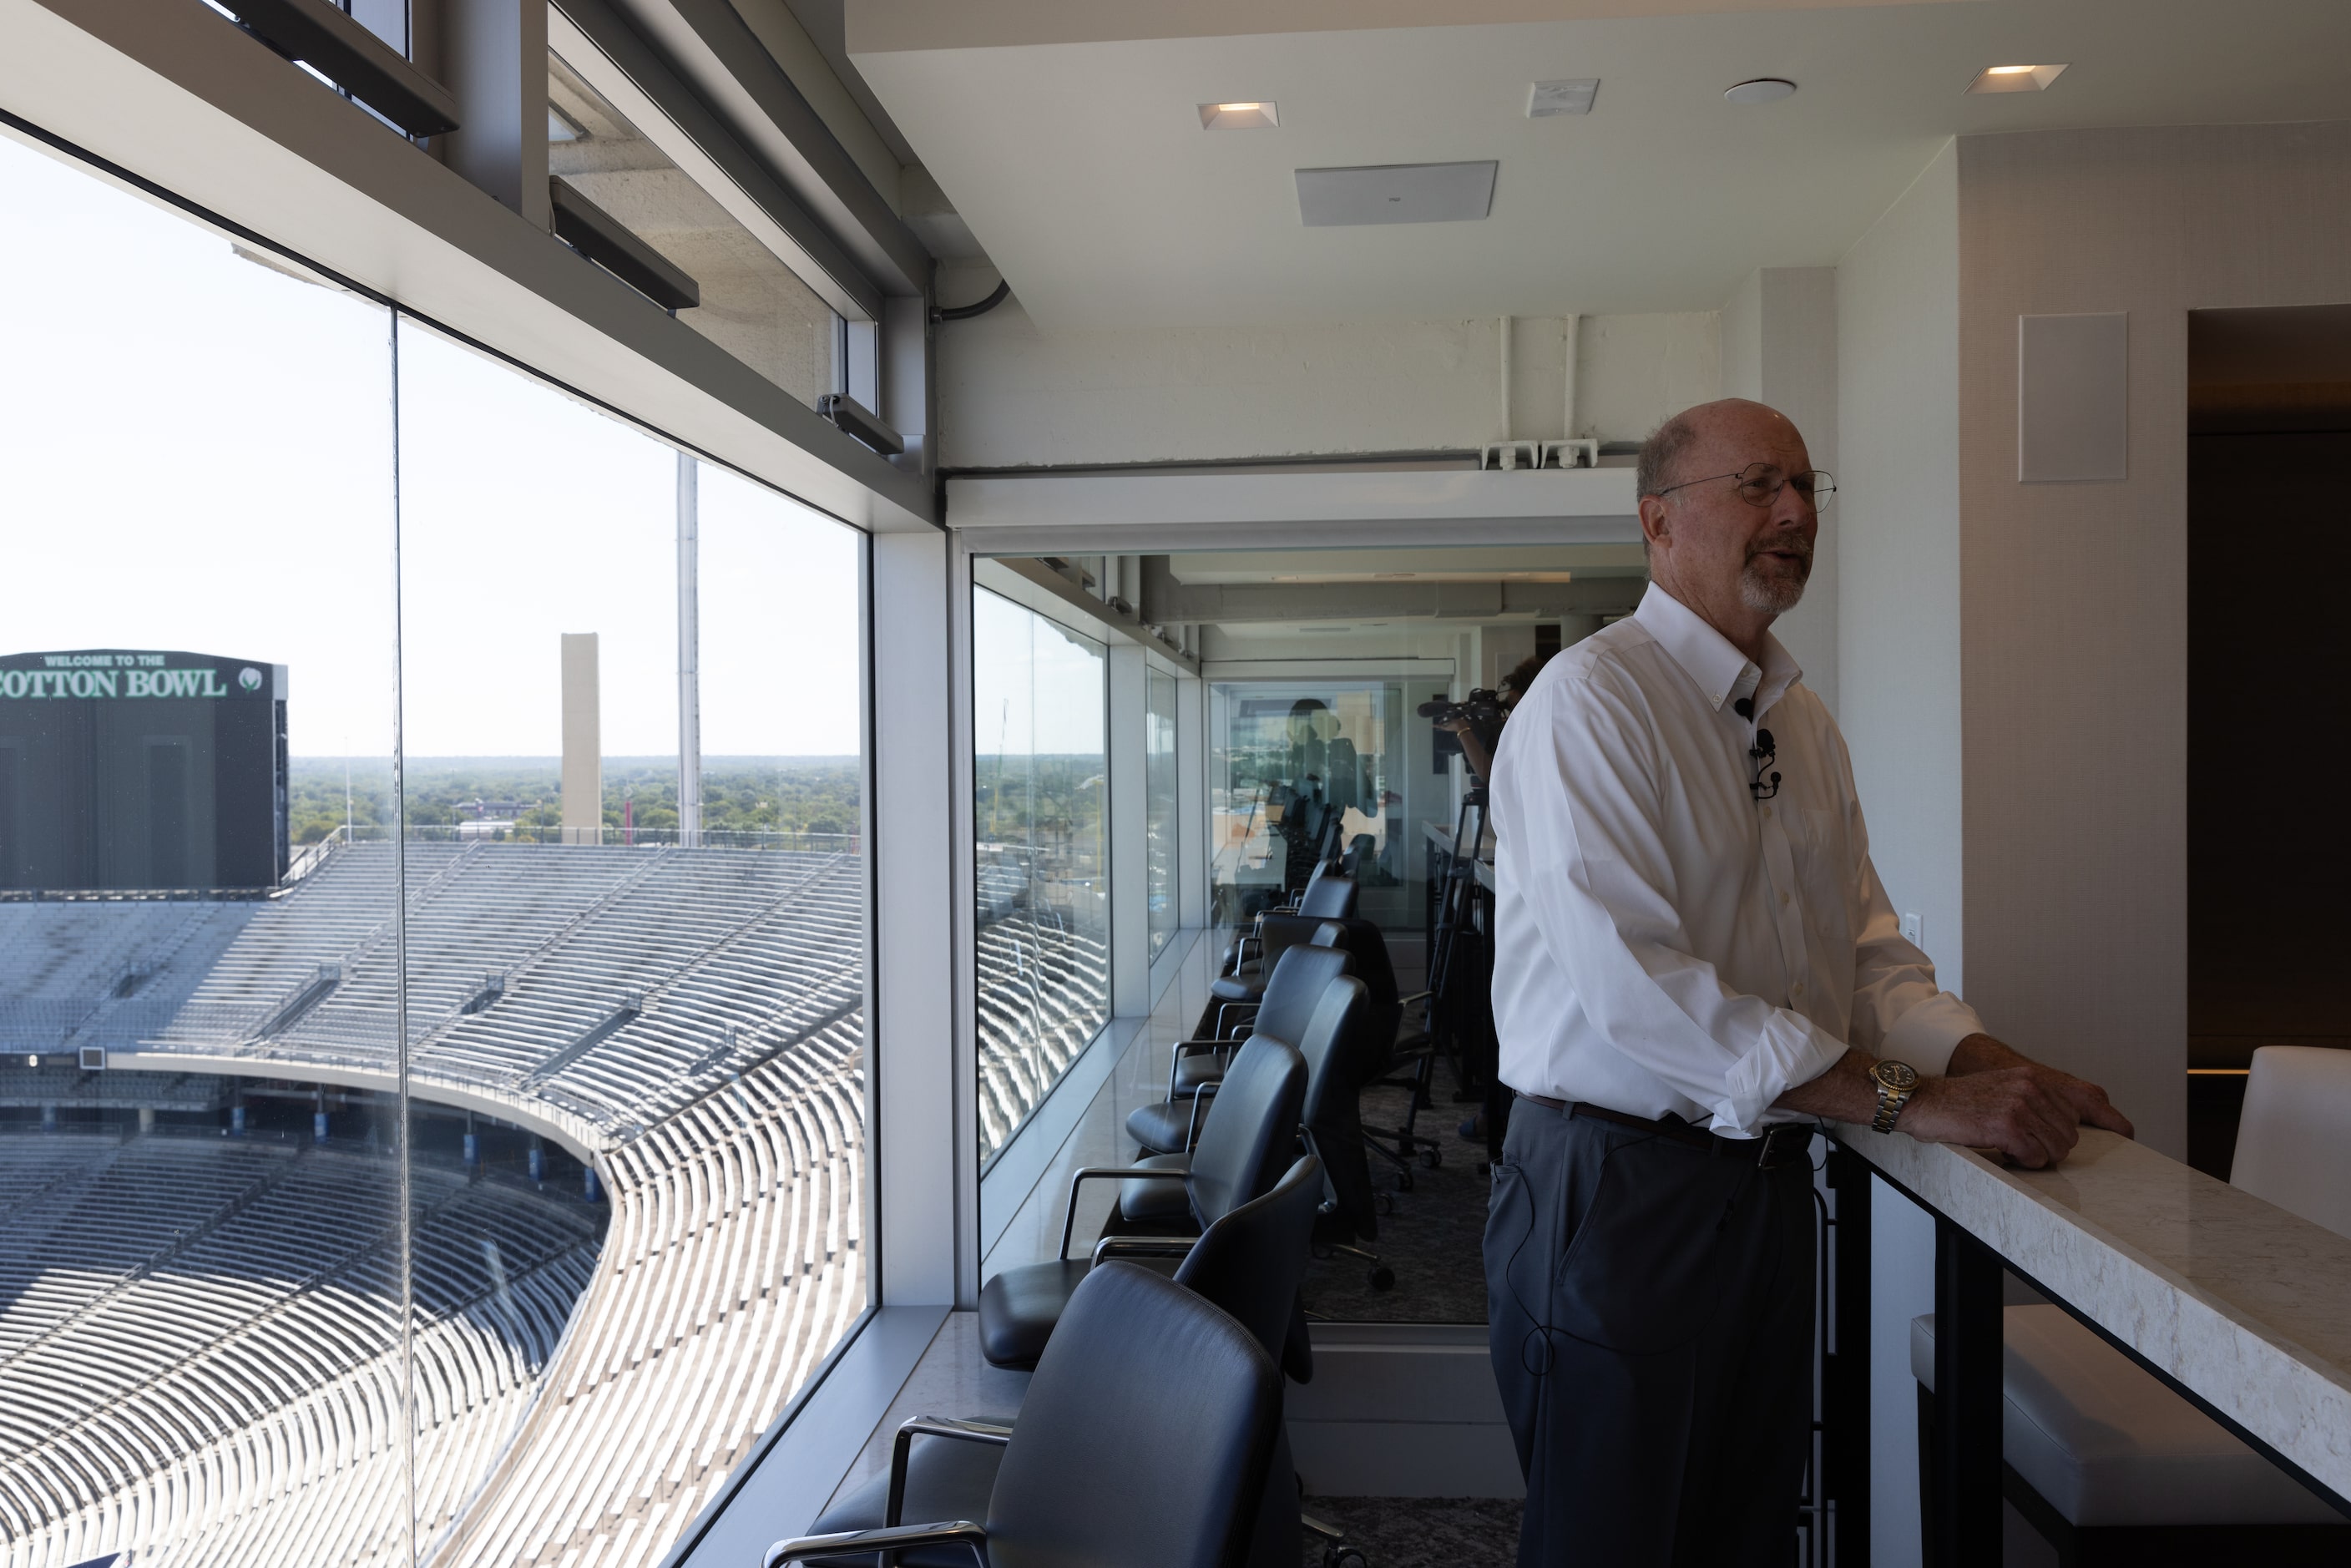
[{"x": 1786, "y": 1144}]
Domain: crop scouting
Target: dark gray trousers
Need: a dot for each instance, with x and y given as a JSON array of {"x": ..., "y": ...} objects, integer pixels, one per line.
[{"x": 1651, "y": 1312}]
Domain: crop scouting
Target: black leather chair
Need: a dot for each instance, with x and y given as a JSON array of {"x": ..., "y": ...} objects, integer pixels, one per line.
[
  {"x": 1341, "y": 1047},
  {"x": 1247, "y": 1139},
  {"x": 1339, "y": 1043},
  {"x": 1332, "y": 1046},
  {"x": 1145, "y": 1440},
  {"x": 1399, "y": 1061},
  {"x": 1256, "y": 953},
  {"x": 1288, "y": 1002},
  {"x": 1248, "y": 1264}
]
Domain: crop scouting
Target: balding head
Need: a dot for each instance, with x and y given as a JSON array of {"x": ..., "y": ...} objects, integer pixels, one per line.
[
  {"x": 1738, "y": 564},
  {"x": 1723, "y": 423}
]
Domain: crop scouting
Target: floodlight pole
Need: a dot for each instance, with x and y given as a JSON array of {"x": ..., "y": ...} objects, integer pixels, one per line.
[{"x": 689, "y": 650}]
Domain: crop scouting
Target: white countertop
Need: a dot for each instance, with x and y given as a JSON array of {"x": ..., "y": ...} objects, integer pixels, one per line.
[{"x": 2247, "y": 1304}]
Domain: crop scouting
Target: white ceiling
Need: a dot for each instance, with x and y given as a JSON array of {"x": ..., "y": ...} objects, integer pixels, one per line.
[{"x": 1079, "y": 161}]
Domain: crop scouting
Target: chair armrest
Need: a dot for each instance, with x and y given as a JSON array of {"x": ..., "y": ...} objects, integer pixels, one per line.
[
  {"x": 1184, "y": 1048},
  {"x": 932, "y": 1426},
  {"x": 1069, "y": 1220},
  {"x": 953, "y": 1532},
  {"x": 1143, "y": 1246}
]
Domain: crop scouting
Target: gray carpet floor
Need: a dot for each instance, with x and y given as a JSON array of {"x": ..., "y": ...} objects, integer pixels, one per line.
[
  {"x": 1433, "y": 1240},
  {"x": 1422, "y": 1531}
]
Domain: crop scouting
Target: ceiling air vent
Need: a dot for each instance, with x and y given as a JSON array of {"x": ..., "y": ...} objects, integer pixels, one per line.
[{"x": 1396, "y": 193}]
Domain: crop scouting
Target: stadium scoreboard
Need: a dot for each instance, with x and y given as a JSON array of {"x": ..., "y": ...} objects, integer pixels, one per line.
[{"x": 136, "y": 770}]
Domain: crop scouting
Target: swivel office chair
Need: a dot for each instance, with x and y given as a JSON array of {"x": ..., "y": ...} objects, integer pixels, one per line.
[
  {"x": 1146, "y": 1432},
  {"x": 1325, "y": 898},
  {"x": 1331, "y": 1045},
  {"x": 1287, "y": 1002},
  {"x": 1248, "y": 1264},
  {"x": 1247, "y": 1140}
]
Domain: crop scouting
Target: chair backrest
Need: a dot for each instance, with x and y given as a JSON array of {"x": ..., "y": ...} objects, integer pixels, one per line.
[
  {"x": 1372, "y": 965},
  {"x": 2295, "y": 1125},
  {"x": 1250, "y": 1128},
  {"x": 1145, "y": 1436},
  {"x": 1295, "y": 985},
  {"x": 1336, "y": 1048},
  {"x": 1328, "y": 898},
  {"x": 1250, "y": 1262},
  {"x": 1281, "y": 933}
]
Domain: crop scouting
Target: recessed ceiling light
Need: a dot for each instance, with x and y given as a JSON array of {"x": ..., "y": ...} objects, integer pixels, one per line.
[
  {"x": 1255, "y": 116},
  {"x": 1546, "y": 99},
  {"x": 1763, "y": 90},
  {"x": 2015, "y": 79}
]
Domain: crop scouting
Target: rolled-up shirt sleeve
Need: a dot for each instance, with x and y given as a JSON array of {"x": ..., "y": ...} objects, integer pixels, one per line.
[{"x": 1585, "y": 814}]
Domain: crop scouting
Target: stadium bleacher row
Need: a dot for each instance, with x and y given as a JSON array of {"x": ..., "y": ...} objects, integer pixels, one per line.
[
  {"x": 195, "y": 1327},
  {"x": 1044, "y": 992},
  {"x": 229, "y": 1309}
]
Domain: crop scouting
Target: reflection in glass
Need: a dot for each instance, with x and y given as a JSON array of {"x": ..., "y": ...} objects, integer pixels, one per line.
[
  {"x": 689, "y": 1015},
  {"x": 1041, "y": 773},
  {"x": 624, "y": 1200},
  {"x": 1159, "y": 793},
  {"x": 200, "y": 1239},
  {"x": 752, "y": 305},
  {"x": 1307, "y": 770}
]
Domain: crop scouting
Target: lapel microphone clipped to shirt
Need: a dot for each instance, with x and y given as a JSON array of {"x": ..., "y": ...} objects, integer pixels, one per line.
[{"x": 1764, "y": 753}]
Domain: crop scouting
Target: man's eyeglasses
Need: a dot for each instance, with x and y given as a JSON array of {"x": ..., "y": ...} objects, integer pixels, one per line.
[{"x": 1760, "y": 484}]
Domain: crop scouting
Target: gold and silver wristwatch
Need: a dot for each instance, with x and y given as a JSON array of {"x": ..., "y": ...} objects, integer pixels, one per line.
[{"x": 1897, "y": 1082}]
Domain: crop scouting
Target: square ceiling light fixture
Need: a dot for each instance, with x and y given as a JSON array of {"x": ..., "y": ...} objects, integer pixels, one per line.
[
  {"x": 1239, "y": 116},
  {"x": 2015, "y": 79},
  {"x": 1396, "y": 193},
  {"x": 1546, "y": 99}
]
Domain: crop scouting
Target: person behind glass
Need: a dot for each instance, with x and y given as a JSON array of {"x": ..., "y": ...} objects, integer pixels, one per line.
[
  {"x": 1694, "y": 959},
  {"x": 1475, "y": 749}
]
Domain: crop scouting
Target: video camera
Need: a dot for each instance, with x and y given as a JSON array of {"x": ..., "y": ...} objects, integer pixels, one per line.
[{"x": 1481, "y": 707}]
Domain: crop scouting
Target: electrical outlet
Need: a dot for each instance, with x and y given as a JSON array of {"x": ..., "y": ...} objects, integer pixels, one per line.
[{"x": 1914, "y": 929}]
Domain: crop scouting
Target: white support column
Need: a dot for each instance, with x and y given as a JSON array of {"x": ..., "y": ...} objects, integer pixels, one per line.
[
  {"x": 921, "y": 986},
  {"x": 583, "y": 741},
  {"x": 1195, "y": 844},
  {"x": 1130, "y": 916},
  {"x": 689, "y": 650},
  {"x": 1780, "y": 347}
]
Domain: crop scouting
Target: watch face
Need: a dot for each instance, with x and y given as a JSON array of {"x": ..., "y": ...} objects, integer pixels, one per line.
[{"x": 1896, "y": 1074}]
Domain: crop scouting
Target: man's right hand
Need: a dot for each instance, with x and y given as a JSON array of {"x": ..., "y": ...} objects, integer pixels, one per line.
[{"x": 2013, "y": 1109}]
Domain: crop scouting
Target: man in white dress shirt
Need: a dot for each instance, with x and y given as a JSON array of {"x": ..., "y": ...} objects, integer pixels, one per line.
[{"x": 1694, "y": 962}]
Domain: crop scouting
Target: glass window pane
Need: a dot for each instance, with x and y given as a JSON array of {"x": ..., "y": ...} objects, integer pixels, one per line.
[
  {"x": 1041, "y": 781},
  {"x": 682, "y": 1008},
  {"x": 201, "y": 1257},
  {"x": 1159, "y": 793},
  {"x": 752, "y": 305},
  {"x": 1307, "y": 770}
]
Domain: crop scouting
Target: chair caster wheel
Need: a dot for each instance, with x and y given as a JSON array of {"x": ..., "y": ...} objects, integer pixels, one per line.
[
  {"x": 1382, "y": 1204},
  {"x": 1383, "y": 1278},
  {"x": 1338, "y": 1556},
  {"x": 1432, "y": 1156},
  {"x": 1404, "y": 1181}
]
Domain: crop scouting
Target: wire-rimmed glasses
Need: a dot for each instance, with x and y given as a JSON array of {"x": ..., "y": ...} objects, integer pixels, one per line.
[{"x": 1760, "y": 484}]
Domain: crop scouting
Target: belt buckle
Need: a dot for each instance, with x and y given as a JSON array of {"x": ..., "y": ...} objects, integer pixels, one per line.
[{"x": 1785, "y": 1144}]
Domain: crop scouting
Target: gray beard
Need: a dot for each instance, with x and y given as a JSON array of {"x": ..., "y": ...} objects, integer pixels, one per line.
[{"x": 1766, "y": 597}]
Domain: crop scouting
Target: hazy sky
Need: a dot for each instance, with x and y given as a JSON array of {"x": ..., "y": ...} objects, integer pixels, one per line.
[
  {"x": 196, "y": 453},
  {"x": 1035, "y": 687}
]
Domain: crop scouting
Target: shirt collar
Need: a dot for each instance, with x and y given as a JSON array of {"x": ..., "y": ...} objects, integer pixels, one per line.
[{"x": 1707, "y": 656}]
